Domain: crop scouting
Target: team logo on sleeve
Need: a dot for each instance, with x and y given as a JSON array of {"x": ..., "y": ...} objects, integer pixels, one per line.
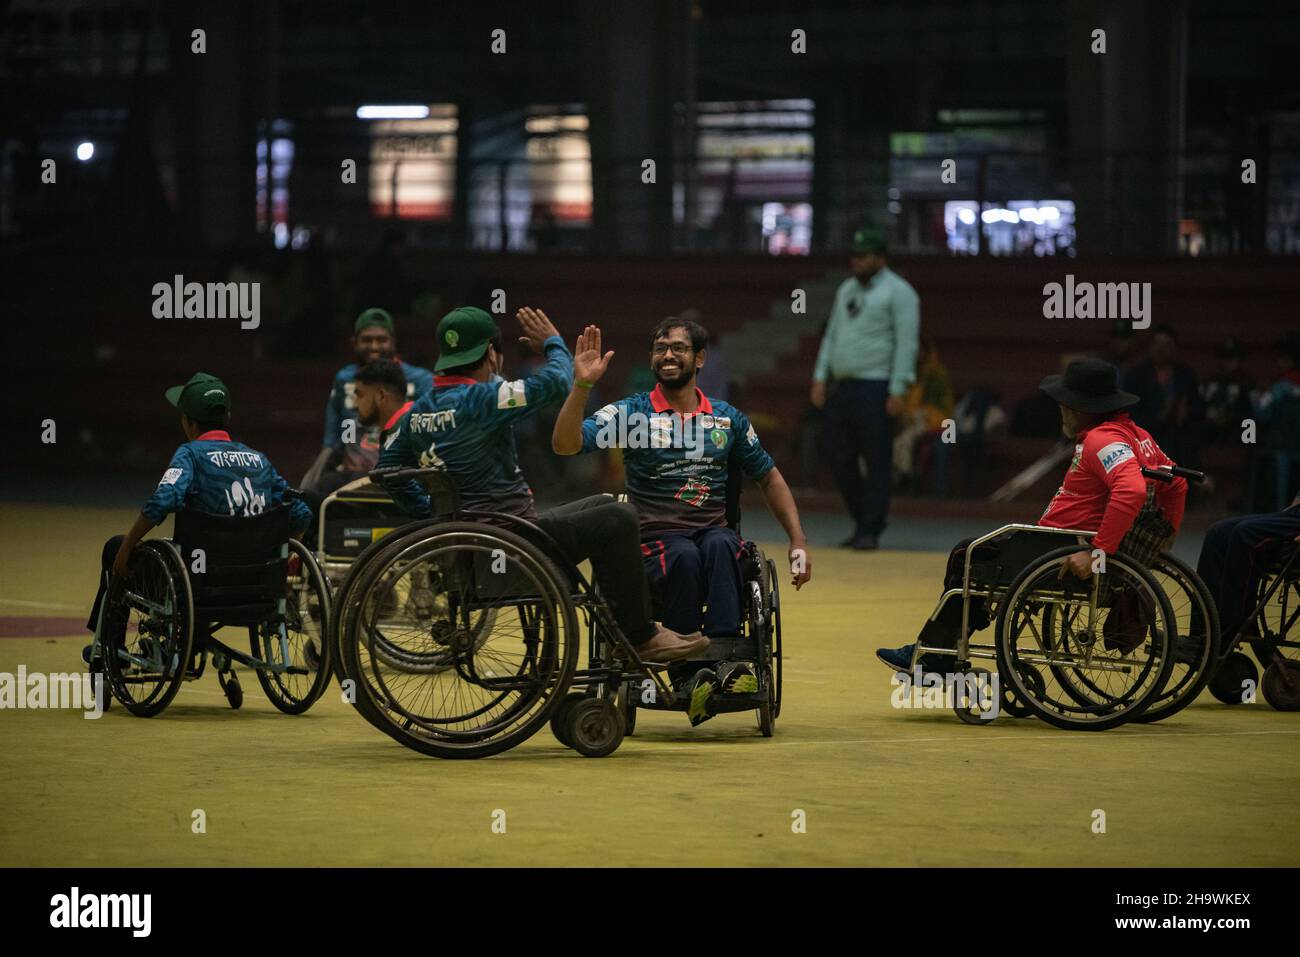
[
  {"x": 510, "y": 395},
  {"x": 171, "y": 476},
  {"x": 604, "y": 414},
  {"x": 751, "y": 435},
  {"x": 1113, "y": 454}
]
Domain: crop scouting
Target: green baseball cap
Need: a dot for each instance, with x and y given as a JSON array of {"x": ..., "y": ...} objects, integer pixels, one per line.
[
  {"x": 870, "y": 240},
  {"x": 463, "y": 337},
  {"x": 373, "y": 317},
  {"x": 203, "y": 398}
]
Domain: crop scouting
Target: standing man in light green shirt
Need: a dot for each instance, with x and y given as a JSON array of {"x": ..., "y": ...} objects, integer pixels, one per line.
[{"x": 869, "y": 352}]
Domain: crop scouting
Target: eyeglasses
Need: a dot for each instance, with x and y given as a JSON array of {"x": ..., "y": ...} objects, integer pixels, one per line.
[{"x": 676, "y": 348}]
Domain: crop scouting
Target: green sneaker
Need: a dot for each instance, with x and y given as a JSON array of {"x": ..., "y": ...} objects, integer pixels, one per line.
[
  {"x": 737, "y": 677},
  {"x": 703, "y": 685}
]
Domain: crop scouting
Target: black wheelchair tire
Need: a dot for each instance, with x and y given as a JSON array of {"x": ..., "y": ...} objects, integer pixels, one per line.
[
  {"x": 274, "y": 689},
  {"x": 1007, "y": 669},
  {"x": 1172, "y": 700},
  {"x": 167, "y": 555},
  {"x": 1230, "y": 677}
]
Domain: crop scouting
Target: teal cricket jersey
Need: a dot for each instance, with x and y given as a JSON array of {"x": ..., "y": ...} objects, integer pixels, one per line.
[
  {"x": 466, "y": 428},
  {"x": 677, "y": 465}
]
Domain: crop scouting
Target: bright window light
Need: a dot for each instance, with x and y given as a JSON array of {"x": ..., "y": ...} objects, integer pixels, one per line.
[
  {"x": 392, "y": 112},
  {"x": 85, "y": 151}
]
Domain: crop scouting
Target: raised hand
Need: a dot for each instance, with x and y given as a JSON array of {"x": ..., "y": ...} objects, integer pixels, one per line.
[
  {"x": 536, "y": 326},
  {"x": 589, "y": 364}
]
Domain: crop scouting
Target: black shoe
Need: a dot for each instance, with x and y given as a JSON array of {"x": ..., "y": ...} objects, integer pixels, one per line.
[
  {"x": 848, "y": 542},
  {"x": 865, "y": 543}
]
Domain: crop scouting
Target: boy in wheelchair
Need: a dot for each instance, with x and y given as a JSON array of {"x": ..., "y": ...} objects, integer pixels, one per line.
[
  {"x": 1103, "y": 489},
  {"x": 680, "y": 450},
  {"x": 210, "y": 473}
]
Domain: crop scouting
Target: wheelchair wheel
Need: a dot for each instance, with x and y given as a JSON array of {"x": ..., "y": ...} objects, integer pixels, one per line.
[
  {"x": 507, "y": 676},
  {"x": 150, "y": 630},
  {"x": 1235, "y": 679},
  {"x": 298, "y": 640},
  {"x": 969, "y": 701},
  {"x": 1281, "y": 684},
  {"x": 1011, "y": 703},
  {"x": 560, "y": 719},
  {"x": 627, "y": 700},
  {"x": 1196, "y": 641},
  {"x": 594, "y": 727},
  {"x": 772, "y": 595},
  {"x": 1278, "y": 619},
  {"x": 1097, "y": 672}
]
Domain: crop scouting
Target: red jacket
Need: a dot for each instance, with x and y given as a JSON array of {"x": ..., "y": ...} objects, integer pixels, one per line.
[{"x": 1104, "y": 487}]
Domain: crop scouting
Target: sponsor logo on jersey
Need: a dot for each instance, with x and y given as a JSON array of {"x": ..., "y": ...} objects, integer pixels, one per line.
[
  {"x": 1113, "y": 454},
  {"x": 171, "y": 476}
]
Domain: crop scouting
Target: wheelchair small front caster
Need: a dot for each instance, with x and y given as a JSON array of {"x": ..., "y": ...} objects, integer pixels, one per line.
[
  {"x": 968, "y": 690},
  {"x": 230, "y": 685},
  {"x": 1281, "y": 685},
  {"x": 595, "y": 727},
  {"x": 1229, "y": 681},
  {"x": 560, "y": 720},
  {"x": 1012, "y": 704}
]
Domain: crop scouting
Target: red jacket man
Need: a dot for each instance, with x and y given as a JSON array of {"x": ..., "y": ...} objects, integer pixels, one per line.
[{"x": 1103, "y": 491}]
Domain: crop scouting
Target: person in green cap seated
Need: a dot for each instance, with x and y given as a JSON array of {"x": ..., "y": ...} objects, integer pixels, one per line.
[
  {"x": 210, "y": 472},
  {"x": 350, "y": 449},
  {"x": 465, "y": 428}
]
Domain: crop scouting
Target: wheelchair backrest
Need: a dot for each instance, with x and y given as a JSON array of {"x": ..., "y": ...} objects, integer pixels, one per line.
[{"x": 236, "y": 565}]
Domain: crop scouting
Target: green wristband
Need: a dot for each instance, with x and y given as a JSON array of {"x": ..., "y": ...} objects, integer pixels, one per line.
[{"x": 584, "y": 385}]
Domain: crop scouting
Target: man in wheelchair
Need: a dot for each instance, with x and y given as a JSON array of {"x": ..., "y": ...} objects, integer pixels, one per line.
[
  {"x": 210, "y": 472},
  {"x": 1103, "y": 489},
  {"x": 678, "y": 446},
  {"x": 464, "y": 427}
]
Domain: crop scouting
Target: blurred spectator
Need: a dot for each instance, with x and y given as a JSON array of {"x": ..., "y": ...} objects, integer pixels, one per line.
[
  {"x": 1169, "y": 405},
  {"x": 1119, "y": 349},
  {"x": 1275, "y": 468},
  {"x": 926, "y": 404},
  {"x": 713, "y": 379},
  {"x": 543, "y": 229},
  {"x": 1287, "y": 385},
  {"x": 1226, "y": 395}
]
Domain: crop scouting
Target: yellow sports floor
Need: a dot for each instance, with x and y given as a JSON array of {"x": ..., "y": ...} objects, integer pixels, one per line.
[{"x": 1216, "y": 785}]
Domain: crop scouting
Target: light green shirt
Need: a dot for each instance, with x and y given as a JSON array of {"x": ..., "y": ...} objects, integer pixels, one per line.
[{"x": 872, "y": 333}]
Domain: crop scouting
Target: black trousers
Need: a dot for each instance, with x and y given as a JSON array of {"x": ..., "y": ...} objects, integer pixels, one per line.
[
  {"x": 857, "y": 426},
  {"x": 105, "y": 572},
  {"x": 606, "y": 533},
  {"x": 1233, "y": 558}
]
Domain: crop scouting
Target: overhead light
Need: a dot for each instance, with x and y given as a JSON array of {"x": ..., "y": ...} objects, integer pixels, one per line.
[
  {"x": 392, "y": 112},
  {"x": 85, "y": 151}
]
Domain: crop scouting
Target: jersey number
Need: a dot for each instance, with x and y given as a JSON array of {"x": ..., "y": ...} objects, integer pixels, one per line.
[{"x": 242, "y": 496}]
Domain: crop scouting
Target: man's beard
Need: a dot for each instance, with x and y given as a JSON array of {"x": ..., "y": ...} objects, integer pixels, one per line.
[
  {"x": 682, "y": 378},
  {"x": 866, "y": 276}
]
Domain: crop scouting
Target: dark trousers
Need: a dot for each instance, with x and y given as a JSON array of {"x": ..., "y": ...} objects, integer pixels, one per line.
[
  {"x": 944, "y": 630},
  {"x": 697, "y": 568},
  {"x": 857, "y": 426},
  {"x": 105, "y": 571},
  {"x": 605, "y": 532},
  {"x": 1233, "y": 557}
]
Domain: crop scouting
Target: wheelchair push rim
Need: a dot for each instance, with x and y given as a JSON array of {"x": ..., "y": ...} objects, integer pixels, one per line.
[
  {"x": 297, "y": 642},
  {"x": 149, "y": 630},
  {"x": 1086, "y": 685},
  {"x": 503, "y": 682}
]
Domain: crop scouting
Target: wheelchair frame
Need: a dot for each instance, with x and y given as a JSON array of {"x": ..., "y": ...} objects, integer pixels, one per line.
[
  {"x": 613, "y": 664},
  {"x": 201, "y": 622}
]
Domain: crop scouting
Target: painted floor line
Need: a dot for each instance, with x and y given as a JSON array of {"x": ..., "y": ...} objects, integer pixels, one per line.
[{"x": 39, "y": 604}]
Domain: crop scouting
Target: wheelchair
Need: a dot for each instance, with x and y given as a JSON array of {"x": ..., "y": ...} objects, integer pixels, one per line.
[
  {"x": 759, "y": 644},
  {"x": 459, "y": 636},
  {"x": 1081, "y": 655},
  {"x": 157, "y": 627},
  {"x": 1277, "y": 645}
]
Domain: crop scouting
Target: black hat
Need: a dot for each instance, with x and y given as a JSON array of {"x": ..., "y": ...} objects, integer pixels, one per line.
[{"x": 1089, "y": 385}]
